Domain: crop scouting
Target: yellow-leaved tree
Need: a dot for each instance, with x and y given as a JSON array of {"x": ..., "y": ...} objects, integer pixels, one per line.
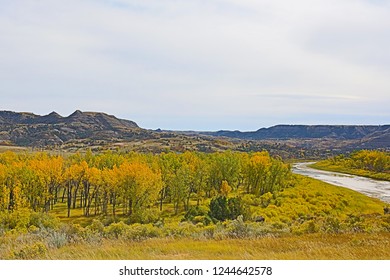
[{"x": 139, "y": 186}]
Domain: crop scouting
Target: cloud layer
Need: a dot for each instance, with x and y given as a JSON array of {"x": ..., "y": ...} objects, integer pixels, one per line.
[{"x": 197, "y": 64}]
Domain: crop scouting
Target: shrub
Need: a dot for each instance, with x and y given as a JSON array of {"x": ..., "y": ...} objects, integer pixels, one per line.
[
  {"x": 260, "y": 230},
  {"x": 184, "y": 229},
  {"x": 222, "y": 208},
  {"x": 197, "y": 214},
  {"x": 17, "y": 220},
  {"x": 22, "y": 220},
  {"x": 140, "y": 232},
  {"x": 250, "y": 199},
  {"x": 238, "y": 228},
  {"x": 355, "y": 223},
  {"x": 332, "y": 225},
  {"x": 207, "y": 232},
  {"x": 44, "y": 220},
  {"x": 30, "y": 251},
  {"x": 96, "y": 226},
  {"x": 385, "y": 223},
  {"x": 144, "y": 216},
  {"x": 266, "y": 199},
  {"x": 57, "y": 239},
  {"x": 115, "y": 229},
  {"x": 219, "y": 208},
  {"x": 310, "y": 226}
]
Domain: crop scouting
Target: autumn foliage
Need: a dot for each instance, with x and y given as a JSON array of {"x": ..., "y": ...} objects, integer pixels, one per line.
[
  {"x": 368, "y": 163},
  {"x": 129, "y": 184}
]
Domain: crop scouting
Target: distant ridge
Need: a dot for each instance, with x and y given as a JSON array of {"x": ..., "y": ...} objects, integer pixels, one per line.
[
  {"x": 28, "y": 129},
  {"x": 9, "y": 117},
  {"x": 363, "y": 136},
  {"x": 97, "y": 128},
  {"x": 344, "y": 132}
]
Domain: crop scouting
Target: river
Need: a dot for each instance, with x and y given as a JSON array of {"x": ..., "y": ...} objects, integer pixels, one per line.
[{"x": 367, "y": 186}]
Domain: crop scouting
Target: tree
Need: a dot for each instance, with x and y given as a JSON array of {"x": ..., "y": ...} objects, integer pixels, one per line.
[
  {"x": 74, "y": 176},
  {"x": 225, "y": 188},
  {"x": 110, "y": 189},
  {"x": 92, "y": 184},
  {"x": 49, "y": 172},
  {"x": 264, "y": 174},
  {"x": 223, "y": 166},
  {"x": 139, "y": 186},
  {"x": 13, "y": 185},
  {"x": 197, "y": 176},
  {"x": 169, "y": 163},
  {"x": 223, "y": 208},
  {"x": 4, "y": 191}
]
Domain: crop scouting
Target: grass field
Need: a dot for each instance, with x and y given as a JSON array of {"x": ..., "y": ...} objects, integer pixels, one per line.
[
  {"x": 311, "y": 220},
  {"x": 306, "y": 247}
]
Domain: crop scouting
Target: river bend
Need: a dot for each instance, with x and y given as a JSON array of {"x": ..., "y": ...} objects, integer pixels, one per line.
[{"x": 367, "y": 186}]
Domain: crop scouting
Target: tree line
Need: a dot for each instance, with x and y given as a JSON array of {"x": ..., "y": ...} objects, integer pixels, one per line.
[
  {"x": 370, "y": 160},
  {"x": 112, "y": 183}
]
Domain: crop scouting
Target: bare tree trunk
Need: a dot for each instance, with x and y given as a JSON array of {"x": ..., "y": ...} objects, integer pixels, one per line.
[{"x": 69, "y": 202}]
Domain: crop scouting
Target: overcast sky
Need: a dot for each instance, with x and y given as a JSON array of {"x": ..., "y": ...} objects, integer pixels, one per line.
[{"x": 199, "y": 64}]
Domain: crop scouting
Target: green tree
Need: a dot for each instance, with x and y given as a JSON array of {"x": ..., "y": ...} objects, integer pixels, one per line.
[{"x": 223, "y": 208}]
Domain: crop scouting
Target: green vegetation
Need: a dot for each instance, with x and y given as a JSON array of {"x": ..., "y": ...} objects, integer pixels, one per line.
[
  {"x": 356, "y": 246},
  {"x": 180, "y": 206},
  {"x": 133, "y": 184},
  {"x": 372, "y": 164}
]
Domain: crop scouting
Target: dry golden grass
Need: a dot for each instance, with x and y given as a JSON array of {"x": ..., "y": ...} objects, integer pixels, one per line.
[{"x": 305, "y": 247}]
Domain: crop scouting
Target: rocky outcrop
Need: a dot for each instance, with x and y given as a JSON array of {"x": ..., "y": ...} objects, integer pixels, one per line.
[{"x": 27, "y": 129}]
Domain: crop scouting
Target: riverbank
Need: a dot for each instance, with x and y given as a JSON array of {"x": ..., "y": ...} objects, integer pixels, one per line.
[
  {"x": 366, "y": 163},
  {"x": 328, "y": 166},
  {"x": 373, "y": 188}
]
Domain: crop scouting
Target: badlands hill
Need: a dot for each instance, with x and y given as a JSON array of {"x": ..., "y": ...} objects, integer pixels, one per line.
[
  {"x": 27, "y": 129},
  {"x": 95, "y": 129}
]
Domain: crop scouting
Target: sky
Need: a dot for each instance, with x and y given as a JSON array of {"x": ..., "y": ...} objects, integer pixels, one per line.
[{"x": 199, "y": 64}]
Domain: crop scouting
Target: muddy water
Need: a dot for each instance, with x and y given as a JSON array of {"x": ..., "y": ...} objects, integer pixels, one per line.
[{"x": 369, "y": 187}]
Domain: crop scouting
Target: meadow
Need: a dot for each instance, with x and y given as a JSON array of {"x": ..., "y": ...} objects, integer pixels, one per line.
[
  {"x": 285, "y": 217},
  {"x": 356, "y": 246}
]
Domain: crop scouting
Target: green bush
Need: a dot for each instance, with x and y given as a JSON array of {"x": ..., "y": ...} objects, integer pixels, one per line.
[
  {"x": 96, "y": 226},
  {"x": 385, "y": 223},
  {"x": 24, "y": 220},
  {"x": 183, "y": 229},
  {"x": 332, "y": 225},
  {"x": 222, "y": 208},
  {"x": 197, "y": 215},
  {"x": 140, "y": 232},
  {"x": 115, "y": 229},
  {"x": 44, "y": 220},
  {"x": 144, "y": 216},
  {"x": 29, "y": 251}
]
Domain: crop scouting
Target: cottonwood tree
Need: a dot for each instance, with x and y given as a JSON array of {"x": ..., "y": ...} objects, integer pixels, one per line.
[
  {"x": 264, "y": 174},
  {"x": 73, "y": 178},
  {"x": 49, "y": 172},
  {"x": 139, "y": 186}
]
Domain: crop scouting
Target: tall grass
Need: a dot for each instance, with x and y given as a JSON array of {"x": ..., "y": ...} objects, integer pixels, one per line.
[
  {"x": 307, "y": 247},
  {"x": 311, "y": 220}
]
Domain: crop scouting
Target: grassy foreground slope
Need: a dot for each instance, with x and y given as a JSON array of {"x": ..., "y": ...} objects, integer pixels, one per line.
[
  {"x": 306, "y": 247},
  {"x": 310, "y": 220}
]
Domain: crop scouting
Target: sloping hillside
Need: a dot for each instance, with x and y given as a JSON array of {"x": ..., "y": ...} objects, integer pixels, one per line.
[
  {"x": 363, "y": 136},
  {"x": 86, "y": 129},
  {"x": 27, "y": 129}
]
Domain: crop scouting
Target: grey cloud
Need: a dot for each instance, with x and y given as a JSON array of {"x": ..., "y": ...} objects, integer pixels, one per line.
[{"x": 188, "y": 60}]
